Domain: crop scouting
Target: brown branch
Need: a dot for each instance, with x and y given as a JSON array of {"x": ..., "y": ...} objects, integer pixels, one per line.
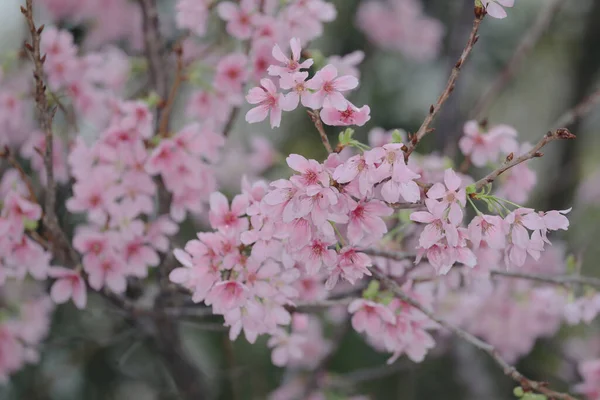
[
  {"x": 230, "y": 121},
  {"x": 163, "y": 129},
  {"x": 406, "y": 206},
  {"x": 435, "y": 109},
  {"x": 509, "y": 370},
  {"x": 68, "y": 112},
  {"x": 312, "y": 306},
  {"x": 45, "y": 116},
  {"x": 154, "y": 47},
  {"x": 392, "y": 255},
  {"x": 316, "y": 119},
  {"x": 530, "y": 39},
  {"x": 551, "y": 136},
  {"x": 580, "y": 110},
  {"x": 561, "y": 280}
]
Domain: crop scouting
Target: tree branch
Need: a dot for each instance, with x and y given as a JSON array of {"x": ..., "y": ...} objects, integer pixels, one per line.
[
  {"x": 154, "y": 47},
  {"x": 551, "y": 136},
  {"x": 435, "y": 109},
  {"x": 530, "y": 39},
  {"x": 316, "y": 119},
  {"x": 509, "y": 370},
  {"x": 163, "y": 129},
  {"x": 562, "y": 280}
]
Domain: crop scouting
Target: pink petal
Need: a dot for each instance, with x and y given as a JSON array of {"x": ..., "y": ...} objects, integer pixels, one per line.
[
  {"x": 257, "y": 114},
  {"x": 61, "y": 291},
  {"x": 227, "y": 10},
  {"x": 451, "y": 180},
  {"x": 496, "y": 11},
  {"x": 344, "y": 83},
  {"x": 296, "y": 48}
]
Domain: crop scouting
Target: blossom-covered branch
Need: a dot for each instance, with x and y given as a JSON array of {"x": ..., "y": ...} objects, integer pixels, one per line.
[
  {"x": 558, "y": 134},
  {"x": 508, "y": 369}
]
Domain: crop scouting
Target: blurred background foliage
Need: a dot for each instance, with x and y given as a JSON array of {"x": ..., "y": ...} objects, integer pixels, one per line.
[{"x": 98, "y": 355}]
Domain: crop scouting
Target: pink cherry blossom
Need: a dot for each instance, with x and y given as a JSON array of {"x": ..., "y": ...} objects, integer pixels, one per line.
[
  {"x": 328, "y": 88},
  {"x": 351, "y": 115},
  {"x": 291, "y": 65},
  {"x": 239, "y": 17},
  {"x": 452, "y": 195},
  {"x": 68, "y": 284},
  {"x": 222, "y": 217},
  {"x": 231, "y": 72},
  {"x": 227, "y": 295},
  {"x": 494, "y": 7},
  {"x": 269, "y": 101},
  {"x": 365, "y": 225}
]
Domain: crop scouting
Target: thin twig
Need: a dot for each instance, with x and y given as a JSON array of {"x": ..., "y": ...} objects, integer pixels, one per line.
[
  {"x": 163, "y": 129},
  {"x": 312, "y": 306},
  {"x": 45, "y": 116},
  {"x": 562, "y": 280},
  {"x": 435, "y": 109},
  {"x": 154, "y": 47},
  {"x": 509, "y": 370},
  {"x": 68, "y": 112},
  {"x": 581, "y": 109},
  {"x": 530, "y": 39},
  {"x": 406, "y": 206},
  {"x": 230, "y": 121},
  {"x": 316, "y": 119},
  {"x": 557, "y": 134},
  {"x": 392, "y": 255}
]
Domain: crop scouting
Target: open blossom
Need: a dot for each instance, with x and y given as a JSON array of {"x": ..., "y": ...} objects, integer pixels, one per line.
[
  {"x": 299, "y": 92},
  {"x": 69, "y": 285},
  {"x": 495, "y": 7},
  {"x": 438, "y": 226},
  {"x": 231, "y": 73},
  {"x": 290, "y": 65},
  {"x": 193, "y": 15},
  {"x": 401, "y": 179},
  {"x": 485, "y": 147},
  {"x": 351, "y": 265},
  {"x": 351, "y": 115},
  {"x": 269, "y": 101},
  {"x": 328, "y": 88},
  {"x": 452, "y": 195},
  {"x": 348, "y": 64},
  {"x": 239, "y": 17},
  {"x": 222, "y": 217}
]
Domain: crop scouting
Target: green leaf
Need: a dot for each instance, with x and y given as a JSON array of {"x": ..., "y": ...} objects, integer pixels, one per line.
[
  {"x": 396, "y": 136},
  {"x": 518, "y": 391},
  {"x": 30, "y": 224},
  {"x": 152, "y": 99},
  {"x": 372, "y": 290},
  {"x": 571, "y": 264},
  {"x": 471, "y": 189}
]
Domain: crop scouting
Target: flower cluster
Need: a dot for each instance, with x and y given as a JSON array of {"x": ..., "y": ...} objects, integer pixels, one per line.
[
  {"x": 20, "y": 255},
  {"x": 323, "y": 91},
  {"x": 114, "y": 188},
  {"x": 25, "y": 324},
  {"x": 395, "y": 327},
  {"x": 84, "y": 79}
]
